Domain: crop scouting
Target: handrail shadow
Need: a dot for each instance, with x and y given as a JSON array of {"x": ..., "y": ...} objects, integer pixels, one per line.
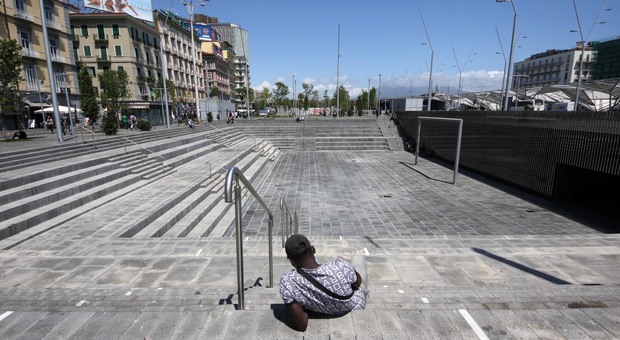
[
  {"x": 423, "y": 174},
  {"x": 522, "y": 267}
]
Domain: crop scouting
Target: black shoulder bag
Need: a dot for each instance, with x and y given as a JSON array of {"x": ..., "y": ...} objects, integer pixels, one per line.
[{"x": 322, "y": 288}]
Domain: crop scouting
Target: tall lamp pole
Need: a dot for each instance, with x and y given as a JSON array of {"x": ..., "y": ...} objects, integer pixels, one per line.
[
  {"x": 430, "y": 72},
  {"x": 379, "y": 98},
  {"x": 338, "y": 77},
  {"x": 512, "y": 45},
  {"x": 190, "y": 9},
  {"x": 50, "y": 72},
  {"x": 368, "y": 105},
  {"x": 505, "y": 63},
  {"x": 164, "y": 67},
  {"x": 583, "y": 46}
]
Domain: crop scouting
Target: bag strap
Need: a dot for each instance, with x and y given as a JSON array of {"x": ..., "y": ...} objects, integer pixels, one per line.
[{"x": 322, "y": 288}]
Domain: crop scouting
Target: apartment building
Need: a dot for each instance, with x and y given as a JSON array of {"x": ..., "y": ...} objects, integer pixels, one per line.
[
  {"x": 181, "y": 65},
  {"x": 118, "y": 41},
  {"x": 553, "y": 67},
  {"x": 219, "y": 57},
  {"x": 606, "y": 59},
  {"x": 238, "y": 39},
  {"x": 23, "y": 21}
]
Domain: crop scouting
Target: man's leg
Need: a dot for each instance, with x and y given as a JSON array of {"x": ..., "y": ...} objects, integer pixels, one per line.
[{"x": 359, "y": 264}]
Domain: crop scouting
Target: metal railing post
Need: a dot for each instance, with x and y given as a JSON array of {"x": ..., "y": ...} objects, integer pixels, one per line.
[{"x": 238, "y": 215}]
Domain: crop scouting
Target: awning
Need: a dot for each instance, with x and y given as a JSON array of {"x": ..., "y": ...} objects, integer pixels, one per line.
[{"x": 138, "y": 106}]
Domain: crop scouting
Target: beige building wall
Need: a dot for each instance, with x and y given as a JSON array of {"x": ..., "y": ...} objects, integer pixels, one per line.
[
  {"x": 23, "y": 21},
  {"x": 119, "y": 41}
]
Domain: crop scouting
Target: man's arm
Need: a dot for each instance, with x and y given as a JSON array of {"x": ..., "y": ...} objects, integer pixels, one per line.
[
  {"x": 357, "y": 282},
  {"x": 298, "y": 316}
]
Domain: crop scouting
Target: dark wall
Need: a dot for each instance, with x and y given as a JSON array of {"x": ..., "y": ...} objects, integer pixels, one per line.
[{"x": 551, "y": 154}]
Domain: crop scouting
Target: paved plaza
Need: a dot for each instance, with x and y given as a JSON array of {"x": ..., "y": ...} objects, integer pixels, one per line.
[{"x": 474, "y": 260}]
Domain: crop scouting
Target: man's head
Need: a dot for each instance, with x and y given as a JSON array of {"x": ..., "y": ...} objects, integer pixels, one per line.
[{"x": 297, "y": 247}]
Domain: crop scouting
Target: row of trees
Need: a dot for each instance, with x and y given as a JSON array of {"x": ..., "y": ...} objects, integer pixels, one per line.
[{"x": 309, "y": 97}]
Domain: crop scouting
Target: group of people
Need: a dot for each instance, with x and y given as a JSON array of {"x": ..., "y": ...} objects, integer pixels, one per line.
[
  {"x": 230, "y": 117},
  {"x": 64, "y": 122},
  {"x": 128, "y": 122}
]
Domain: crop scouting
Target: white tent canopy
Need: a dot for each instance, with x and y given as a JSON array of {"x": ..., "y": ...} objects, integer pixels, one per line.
[{"x": 61, "y": 110}]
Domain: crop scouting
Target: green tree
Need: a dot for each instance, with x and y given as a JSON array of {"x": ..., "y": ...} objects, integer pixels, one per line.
[
  {"x": 170, "y": 89},
  {"x": 115, "y": 88},
  {"x": 308, "y": 89},
  {"x": 88, "y": 97},
  {"x": 10, "y": 75},
  {"x": 214, "y": 92},
  {"x": 280, "y": 94},
  {"x": 373, "y": 98},
  {"x": 362, "y": 102},
  {"x": 345, "y": 99},
  {"x": 264, "y": 97}
]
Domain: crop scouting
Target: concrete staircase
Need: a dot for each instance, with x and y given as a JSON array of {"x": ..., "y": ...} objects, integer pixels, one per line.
[{"x": 75, "y": 175}]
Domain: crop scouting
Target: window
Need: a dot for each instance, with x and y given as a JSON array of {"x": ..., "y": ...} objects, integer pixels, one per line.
[
  {"x": 105, "y": 68},
  {"x": 25, "y": 39},
  {"x": 100, "y": 32},
  {"x": 53, "y": 47},
  {"x": 121, "y": 68},
  {"x": 96, "y": 90},
  {"x": 91, "y": 71},
  {"x": 115, "y": 31},
  {"x": 135, "y": 49},
  {"x": 49, "y": 13},
  {"x": 87, "y": 51},
  {"x": 84, "y": 31},
  {"x": 20, "y": 5},
  {"x": 104, "y": 52},
  {"x": 118, "y": 51}
]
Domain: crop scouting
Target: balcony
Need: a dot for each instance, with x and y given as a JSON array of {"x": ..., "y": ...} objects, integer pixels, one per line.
[
  {"x": 103, "y": 59},
  {"x": 142, "y": 79},
  {"x": 74, "y": 38},
  {"x": 58, "y": 58},
  {"x": 101, "y": 38},
  {"x": 29, "y": 52},
  {"x": 21, "y": 14},
  {"x": 53, "y": 25}
]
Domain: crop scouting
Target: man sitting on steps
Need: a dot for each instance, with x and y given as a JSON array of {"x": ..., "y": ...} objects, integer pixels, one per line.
[{"x": 330, "y": 288}]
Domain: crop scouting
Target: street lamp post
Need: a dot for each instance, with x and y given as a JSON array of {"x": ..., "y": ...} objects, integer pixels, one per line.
[
  {"x": 379, "y": 98},
  {"x": 583, "y": 46},
  {"x": 164, "y": 67},
  {"x": 368, "y": 105},
  {"x": 190, "y": 9},
  {"x": 518, "y": 76},
  {"x": 338, "y": 77},
  {"x": 512, "y": 45},
  {"x": 505, "y": 63},
  {"x": 50, "y": 72},
  {"x": 461, "y": 74},
  {"x": 430, "y": 72}
]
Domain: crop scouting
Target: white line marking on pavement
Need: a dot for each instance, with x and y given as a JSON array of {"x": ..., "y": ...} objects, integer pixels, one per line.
[
  {"x": 5, "y": 314},
  {"x": 474, "y": 325},
  {"x": 247, "y": 238},
  {"x": 366, "y": 251},
  {"x": 401, "y": 291},
  {"x": 128, "y": 293},
  {"x": 80, "y": 303},
  {"x": 340, "y": 237},
  {"x": 198, "y": 253},
  {"x": 425, "y": 300}
]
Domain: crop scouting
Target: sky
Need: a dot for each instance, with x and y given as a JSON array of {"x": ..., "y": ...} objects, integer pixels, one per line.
[{"x": 300, "y": 39}]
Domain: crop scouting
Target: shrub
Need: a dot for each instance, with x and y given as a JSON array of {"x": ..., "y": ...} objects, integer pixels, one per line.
[
  {"x": 209, "y": 117},
  {"x": 110, "y": 124},
  {"x": 144, "y": 125}
]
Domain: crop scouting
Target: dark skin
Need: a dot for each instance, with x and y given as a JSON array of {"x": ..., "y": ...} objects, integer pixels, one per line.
[{"x": 296, "y": 312}]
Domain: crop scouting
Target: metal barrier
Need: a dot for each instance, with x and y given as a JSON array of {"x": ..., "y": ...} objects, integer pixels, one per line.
[
  {"x": 233, "y": 175},
  {"x": 143, "y": 148},
  {"x": 91, "y": 133},
  {"x": 289, "y": 222},
  {"x": 458, "y": 141}
]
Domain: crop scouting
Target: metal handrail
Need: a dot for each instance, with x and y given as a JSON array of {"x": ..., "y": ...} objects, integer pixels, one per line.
[
  {"x": 289, "y": 222},
  {"x": 91, "y": 133},
  {"x": 233, "y": 175},
  {"x": 143, "y": 148}
]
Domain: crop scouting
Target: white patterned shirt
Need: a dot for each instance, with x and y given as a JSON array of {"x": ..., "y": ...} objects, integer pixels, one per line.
[{"x": 337, "y": 276}]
